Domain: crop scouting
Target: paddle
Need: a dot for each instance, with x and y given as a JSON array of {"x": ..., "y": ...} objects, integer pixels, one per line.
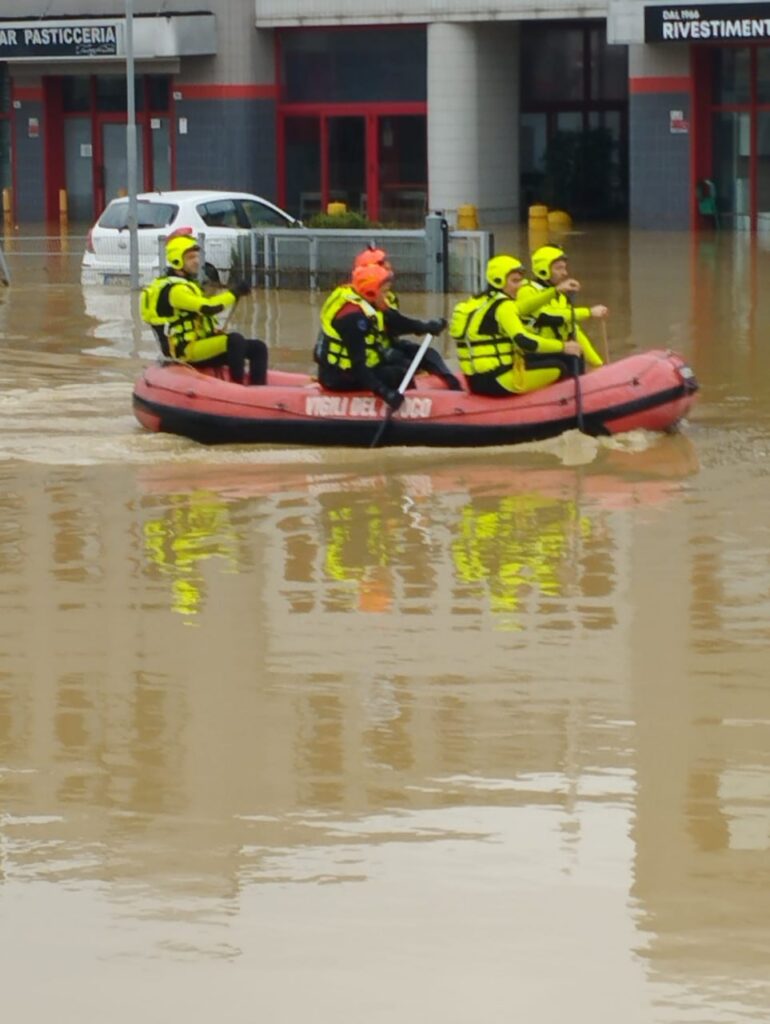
[
  {"x": 605, "y": 343},
  {"x": 578, "y": 388},
  {"x": 412, "y": 369}
]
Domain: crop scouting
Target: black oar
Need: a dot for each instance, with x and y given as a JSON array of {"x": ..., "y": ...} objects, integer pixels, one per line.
[
  {"x": 403, "y": 386},
  {"x": 578, "y": 388}
]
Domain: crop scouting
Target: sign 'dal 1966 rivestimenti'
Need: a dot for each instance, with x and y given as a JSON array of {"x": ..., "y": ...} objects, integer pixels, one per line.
[{"x": 707, "y": 23}]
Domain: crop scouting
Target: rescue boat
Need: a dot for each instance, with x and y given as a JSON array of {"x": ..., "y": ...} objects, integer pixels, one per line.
[{"x": 651, "y": 391}]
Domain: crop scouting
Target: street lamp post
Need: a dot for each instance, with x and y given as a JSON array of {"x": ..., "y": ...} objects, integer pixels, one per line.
[{"x": 133, "y": 233}]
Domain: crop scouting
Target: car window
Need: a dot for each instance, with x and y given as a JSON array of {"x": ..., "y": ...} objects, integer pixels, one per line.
[
  {"x": 220, "y": 213},
  {"x": 257, "y": 214},
  {"x": 149, "y": 215}
]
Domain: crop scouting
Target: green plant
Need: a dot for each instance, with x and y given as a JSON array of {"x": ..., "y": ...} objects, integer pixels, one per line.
[{"x": 345, "y": 221}]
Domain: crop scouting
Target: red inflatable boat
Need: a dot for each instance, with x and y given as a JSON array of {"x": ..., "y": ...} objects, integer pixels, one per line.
[{"x": 650, "y": 391}]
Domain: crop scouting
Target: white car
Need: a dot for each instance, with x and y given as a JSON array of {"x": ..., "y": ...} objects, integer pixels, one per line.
[{"x": 220, "y": 220}]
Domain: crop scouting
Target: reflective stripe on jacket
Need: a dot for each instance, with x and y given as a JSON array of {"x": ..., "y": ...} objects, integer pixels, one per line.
[
  {"x": 192, "y": 313},
  {"x": 484, "y": 347},
  {"x": 332, "y": 349},
  {"x": 535, "y": 299}
]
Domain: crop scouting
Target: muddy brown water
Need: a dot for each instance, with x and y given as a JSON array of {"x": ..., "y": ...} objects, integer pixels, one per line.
[{"x": 293, "y": 734}]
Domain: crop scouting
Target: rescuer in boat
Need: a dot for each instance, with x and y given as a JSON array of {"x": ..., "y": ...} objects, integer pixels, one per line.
[
  {"x": 359, "y": 346},
  {"x": 373, "y": 255},
  {"x": 499, "y": 354},
  {"x": 548, "y": 301},
  {"x": 176, "y": 303},
  {"x": 370, "y": 256}
]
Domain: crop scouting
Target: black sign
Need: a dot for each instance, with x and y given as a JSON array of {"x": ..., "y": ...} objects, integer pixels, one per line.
[
  {"x": 707, "y": 23},
  {"x": 30, "y": 40}
]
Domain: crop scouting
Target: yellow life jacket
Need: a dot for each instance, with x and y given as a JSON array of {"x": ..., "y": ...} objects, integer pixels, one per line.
[
  {"x": 330, "y": 347},
  {"x": 481, "y": 347},
  {"x": 155, "y": 308},
  {"x": 185, "y": 326}
]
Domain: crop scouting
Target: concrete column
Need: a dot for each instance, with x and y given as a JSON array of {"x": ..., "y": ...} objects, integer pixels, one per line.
[
  {"x": 452, "y": 121},
  {"x": 498, "y": 119},
  {"x": 473, "y": 108}
]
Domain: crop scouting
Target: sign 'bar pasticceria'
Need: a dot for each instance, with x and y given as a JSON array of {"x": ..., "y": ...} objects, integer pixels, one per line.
[{"x": 36, "y": 41}]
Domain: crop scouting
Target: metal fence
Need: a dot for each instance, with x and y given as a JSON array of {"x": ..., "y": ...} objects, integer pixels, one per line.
[
  {"x": 425, "y": 261},
  {"x": 282, "y": 257},
  {"x": 42, "y": 259}
]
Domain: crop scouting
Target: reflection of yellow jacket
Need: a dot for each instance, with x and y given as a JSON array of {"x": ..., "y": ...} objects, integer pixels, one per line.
[
  {"x": 358, "y": 551},
  {"x": 348, "y": 557},
  {"x": 184, "y": 536},
  {"x": 516, "y": 542},
  {"x": 536, "y": 300}
]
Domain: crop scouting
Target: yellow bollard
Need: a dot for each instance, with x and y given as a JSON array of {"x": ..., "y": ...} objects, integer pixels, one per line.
[
  {"x": 63, "y": 206},
  {"x": 538, "y": 233},
  {"x": 7, "y": 214},
  {"x": 335, "y": 209},
  {"x": 559, "y": 220},
  {"x": 538, "y": 226},
  {"x": 467, "y": 218}
]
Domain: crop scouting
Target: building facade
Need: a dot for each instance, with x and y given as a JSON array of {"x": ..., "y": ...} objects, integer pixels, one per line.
[{"x": 610, "y": 109}]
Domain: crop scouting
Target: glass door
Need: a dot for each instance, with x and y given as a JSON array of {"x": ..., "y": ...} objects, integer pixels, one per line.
[
  {"x": 731, "y": 161},
  {"x": 115, "y": 159},
  {"x": 403, "y": 168},
  {"x": 735, "y": 121},
  {"x": 302, "y": 166},
  {"x": 160, "y": 135},
  {"x": 376, "y": 163},
  {"x": 346, "y": 162},
  {"x": 78, "y": 168}
]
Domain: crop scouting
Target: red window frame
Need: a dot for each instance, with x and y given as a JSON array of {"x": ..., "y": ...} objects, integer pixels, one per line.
[
  {"x": 371, "y": 114},
  {"x": 705, "y": 108},
  {"x": 370, "y": 111}
]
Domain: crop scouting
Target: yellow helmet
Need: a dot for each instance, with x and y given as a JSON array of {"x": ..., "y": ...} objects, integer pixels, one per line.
[
  {"x": 176, "y": 248},
  {"x": 499, "y": 267},
  {"x": 543, "y": 258}
]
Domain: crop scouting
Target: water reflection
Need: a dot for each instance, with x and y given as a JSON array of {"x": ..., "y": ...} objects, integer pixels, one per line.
[
  {"x": 479, "y": 534},
  {"x": 363, "y": 720},
  {"x": 192, "y": 528}
]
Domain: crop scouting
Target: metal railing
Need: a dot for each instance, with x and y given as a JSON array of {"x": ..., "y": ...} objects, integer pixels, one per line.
[
  {"x": 284, "y": 257},
  {"x": 438, "y": 260}
]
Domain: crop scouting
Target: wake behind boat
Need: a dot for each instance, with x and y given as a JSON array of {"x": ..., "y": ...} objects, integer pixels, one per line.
[{"x": 651, "y": 391}]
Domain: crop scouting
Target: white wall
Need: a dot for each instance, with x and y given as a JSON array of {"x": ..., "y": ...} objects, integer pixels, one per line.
[{"x": 271, "y": 13}]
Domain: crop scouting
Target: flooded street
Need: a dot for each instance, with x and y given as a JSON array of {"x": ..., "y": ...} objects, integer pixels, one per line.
[{"x": 399, "y": 735}]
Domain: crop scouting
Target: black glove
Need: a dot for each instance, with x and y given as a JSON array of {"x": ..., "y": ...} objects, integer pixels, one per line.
[
  {"x": 435, "y": 326},
  {"x": 240, "y": 289},
  {"x": 552, "y": 320},
  {"x": 393, "y": 398},
  {"x": 211, "y": 273},
  {"x": 452, "y": 382},
  {"x": 394, "y": 356}
]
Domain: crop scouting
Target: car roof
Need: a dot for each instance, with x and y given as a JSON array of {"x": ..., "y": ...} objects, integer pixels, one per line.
[{"x": 193, "y": 195}]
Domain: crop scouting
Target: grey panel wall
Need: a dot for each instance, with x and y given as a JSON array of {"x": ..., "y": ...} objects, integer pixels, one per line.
[
  {"x": 229, "y": 144},
  {"x": 30, "y": 165},
  {"x": 659, "y": 162}
]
